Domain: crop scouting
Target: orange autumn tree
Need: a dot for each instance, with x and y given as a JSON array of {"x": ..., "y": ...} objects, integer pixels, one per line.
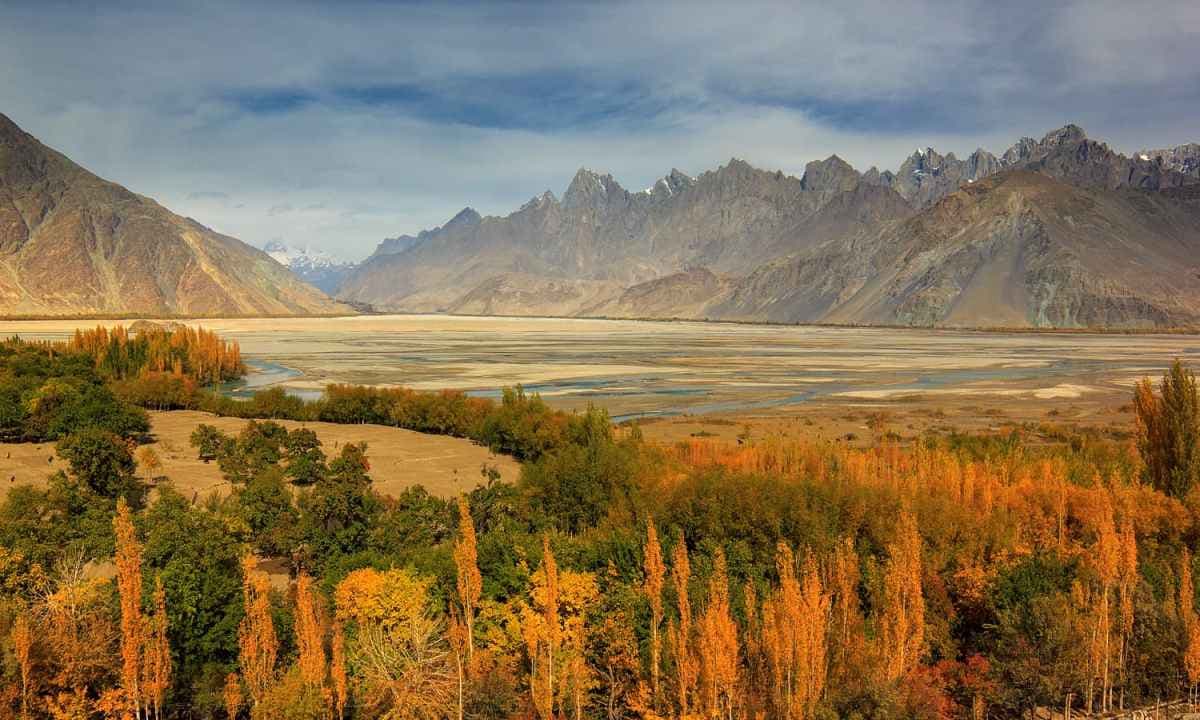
[
  {"x": 556, "y": 614},
  {"x": 1127, "y": 573},
  {"x": 310, "y": 633},
  {"x": 846, "y": 611},
  {"x": 718, "y": 645},
  {"x": 157, "y": 653},
  {"x": 1106, "y": 560},
  {"x": 903, "y": 621},
  {"x": 232, "y": 695},
  {"x": 469, "y": 582},
  {"x": 795, "y": 631},
  {"x": 687, "y": 666},
  {"x": 129, "y": 586},
  {"x": 257, "y": 641},
  {"x": 655, "y": 572},
  {"x": 544, "y": 702},
  {"x": 337, "y": 669},
  {"x": 22, "y": 640}
]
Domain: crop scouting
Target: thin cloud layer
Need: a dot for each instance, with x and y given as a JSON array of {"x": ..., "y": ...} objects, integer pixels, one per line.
[{"x": 335, "y": 125}]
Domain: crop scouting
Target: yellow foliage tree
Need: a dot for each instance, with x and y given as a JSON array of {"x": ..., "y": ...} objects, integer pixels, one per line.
[
  {"x": 157, "y": 653},
  {"x": 655, "y": 572},
  {"x": 257, "y": 642},
  {"x": 718, "y": 641},
  {"x": 469, "y": 581},
  {"x": 310, "y": 633},
  {"x": 129, "y": 586},
  {"x": 395, "y": 642},
  {"x": 903, "y": 621},
  {"x": 687, "y": 666},
  {"x": 232, "y": 696}
]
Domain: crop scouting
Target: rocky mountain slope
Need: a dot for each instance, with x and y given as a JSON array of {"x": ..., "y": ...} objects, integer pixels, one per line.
[
  {"x": 1061, "y": 231},
  {"x": 73, "y": 243},
  {"x": 315, "y": 267}
]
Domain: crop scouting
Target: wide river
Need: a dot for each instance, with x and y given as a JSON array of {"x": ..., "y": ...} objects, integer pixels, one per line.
[{"x": 659, "y": 368}]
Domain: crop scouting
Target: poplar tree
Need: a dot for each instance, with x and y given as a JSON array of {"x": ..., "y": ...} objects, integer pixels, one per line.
[
  {"x": 655, "y": 572},
  {"x": 903, "y": 618},
  {"x": 469, "y": 580},
  {"x": 310, "y": 633},
  {"x": 686, "y": 665},
  {"x": 129, "y": 586},
  {"x": 257, "y": 641}
]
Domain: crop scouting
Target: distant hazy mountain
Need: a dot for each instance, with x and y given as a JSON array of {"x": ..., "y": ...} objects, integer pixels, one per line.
[
  {"x": 74, "y": 243},
  {"x": 315, "y": 267},
  {"x": 1061, "y": 231}
]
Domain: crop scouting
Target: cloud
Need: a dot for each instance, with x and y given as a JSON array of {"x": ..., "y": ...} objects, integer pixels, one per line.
[{"x": 378, "y": 119}]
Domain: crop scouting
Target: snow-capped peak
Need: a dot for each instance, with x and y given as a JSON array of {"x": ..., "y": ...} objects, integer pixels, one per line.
[{"x": 299, "y": 258}]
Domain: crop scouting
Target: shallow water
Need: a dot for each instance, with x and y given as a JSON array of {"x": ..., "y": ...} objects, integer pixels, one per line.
[{"x": 657, "y": 368}]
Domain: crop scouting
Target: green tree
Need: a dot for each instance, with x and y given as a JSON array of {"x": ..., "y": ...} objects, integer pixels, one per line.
[
  {"x": 1168, "y": 429},
  {"x": 265, "y": 505},
  {"x": 305, "y": 459},
  {"x": 101, "y": 460},
  {"x": 208, "y": 441}
]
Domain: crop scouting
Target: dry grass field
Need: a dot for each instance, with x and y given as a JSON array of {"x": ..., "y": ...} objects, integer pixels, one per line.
[{"x": 399, "y": 458}]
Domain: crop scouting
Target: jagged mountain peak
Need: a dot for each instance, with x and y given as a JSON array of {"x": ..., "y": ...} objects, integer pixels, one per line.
[
  {"x": 466, "y": 216},
  {"x": 832, "y": 173},
  {"x": 590, "y": 189},
  {"x": 1067, "y": 134}
]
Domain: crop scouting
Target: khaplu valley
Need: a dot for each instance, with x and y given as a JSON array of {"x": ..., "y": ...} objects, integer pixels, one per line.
[{"x": 776, "y": 438}]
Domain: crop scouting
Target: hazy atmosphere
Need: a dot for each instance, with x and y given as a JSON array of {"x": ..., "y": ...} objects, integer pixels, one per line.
[{"x": 335, "y": 125}]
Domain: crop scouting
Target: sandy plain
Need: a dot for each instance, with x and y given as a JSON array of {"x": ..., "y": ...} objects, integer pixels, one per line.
[{"x": 685, "y": 378}]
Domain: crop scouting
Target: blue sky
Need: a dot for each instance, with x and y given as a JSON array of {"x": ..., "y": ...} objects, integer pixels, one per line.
[{"x": 334, "y": 125}]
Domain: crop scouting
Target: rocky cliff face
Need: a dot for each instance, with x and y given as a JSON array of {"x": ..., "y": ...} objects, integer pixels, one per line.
[
  {"x": 73, "y": 243},
  {"x": 1061, "y": 231}
]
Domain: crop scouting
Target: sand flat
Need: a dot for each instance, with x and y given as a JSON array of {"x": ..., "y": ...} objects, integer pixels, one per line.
[{"x": 672, "y": 368}]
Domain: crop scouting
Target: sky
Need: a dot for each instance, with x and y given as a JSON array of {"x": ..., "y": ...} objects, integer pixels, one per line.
[{"x": 334, "y": 125}]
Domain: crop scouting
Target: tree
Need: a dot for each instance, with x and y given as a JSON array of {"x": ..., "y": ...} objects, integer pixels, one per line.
[
  {"x": 129, "y": 585},
  {"x": 305, "y": 459},
  {"x": 157, "y": 652},
  {"x": 208, "y": 441},
  {"x": 257, "y": 640},
  {"x": 101, "y": 460},
  {"x": 148, "y": 460},
  {"x": 337, "y": 670},
  {"x": 22, "y": 640},
  {"x": 1168, "y": 430},
  {"x": 655, "y": 571},
  {"x": 232, "y": 695},
  {"x": 718, "y": 644},
  {"x": 550, "y": 620},
  {"x": 310, "y": 633},
  {"x": 395, "y": 642},
  {"x": 903, "y": 618},
  {"x": 469, "y": 581},
  {"x": 686, "y": 664}
]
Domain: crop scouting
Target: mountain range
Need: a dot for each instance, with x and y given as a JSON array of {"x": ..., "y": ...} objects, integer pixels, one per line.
[
  {"x": 1057, "y": 232},
  {"x": 72, "y": 243}
]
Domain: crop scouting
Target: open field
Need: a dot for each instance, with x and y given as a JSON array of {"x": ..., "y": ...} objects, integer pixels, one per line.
[{"x": 399, "y": 458}]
